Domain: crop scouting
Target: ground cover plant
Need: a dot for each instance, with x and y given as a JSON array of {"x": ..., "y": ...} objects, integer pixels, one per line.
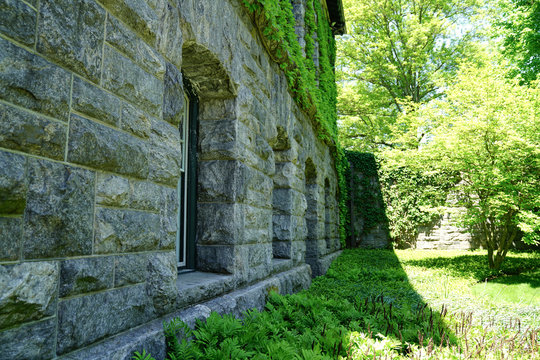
[{"x": 381, "y": 304}]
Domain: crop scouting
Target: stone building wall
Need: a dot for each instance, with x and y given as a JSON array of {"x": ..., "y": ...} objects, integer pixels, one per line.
[
  {"x": 445, "y": 234},
  {"x": 91, "y": 100}
]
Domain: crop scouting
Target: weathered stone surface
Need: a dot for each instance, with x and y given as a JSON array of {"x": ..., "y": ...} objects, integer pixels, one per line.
[
  {"x": 161, "y": 281},
  {"x": 169, "y": 220},
  {"x": 173, "y": 96},
  {"x": 130, "y": 269},
  {"x": 219, "y": 223},
  {"x": 123, "y": 77},
  {"x": 90, "y": 100},
  {"x": 217, "y": 140},
  {"x": 13, "y": 185},
  {"x": 135, "y": 121},
  {"x": 285, "y": 176},
  {"x": 222, "y": 181},
  {"x": 112, "y": 190},
  {"x": 216, "y": 258},
  {"x": 258, "y": 218},
  {"x": 31, "y": 133},
  {"x": 59, "y": 211},
  {"x": 80, "y": 276},
  {"x": 119, "y": 231},
  {"x": 137, "y": 50},
  {"x": 10, "y": 238},
  {"x": 30, "y": 81},
  {"x": 146, "y": 195},
  {"x": 38, "y": 341},
  {"x": 103, "y": 148},
  {"x": 18, "y": 21},
  {"x": 194, "y": 287},
  {"x": 117, "y": 191},
  {"x": 169, "y": 40},
  {"x": 84, "y": 320},
  {"x": 164, "y": 153},
  {"x": 140, "y": 17},
  {"x": 27, "y": 292},
  {"x": 73, "y": 41}
]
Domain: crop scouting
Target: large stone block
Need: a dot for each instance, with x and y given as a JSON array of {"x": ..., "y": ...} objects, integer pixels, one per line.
[
  {"x": 113, "y": 190},
  {"x": 59, "y": 211},
  {"x": 91, "y": 101},
  {"x": 31, "y": 133},
  {"x": 84, "y": 320},
  {"x": 164, "y": 153},
  {"x": 30, "y": 341},
  {"x": 216, "y": 258},
  {"x": 72, "y": 41},
  {"x": 10, "y": 238},
  {"x": 220, "y": 223},
  {"x": 31, "y": 82},
  {"x": 27, "y": 292},
  {"x": 119, "y": 231},
  {"x": 161, "y": 281},
  {"x": 80, "y": 276},
  {"x": 137, "y": 50},
  {"x": 103, "y": 148},
  {"x": 218, "y": 140},
  {"x": 257, "y": 218},
  {"x": 125, "y": 78},
  {"x": 136, "y": 121},
  {"x": 138, "y": 15},
  {"x": 130, "y": 269},
  {"x": 18, "y": 21},
  {"x": 118, "y": 191},
  {"x": 285, "y": 176},
  {"x": 221, "y": 181},
  {"x": 173, "y": 96},
  {"x": 13, "y": 184},
  {"x": 169, "y": 40}
]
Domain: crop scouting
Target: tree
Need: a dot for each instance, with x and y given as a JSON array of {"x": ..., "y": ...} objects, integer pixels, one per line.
[
  {"x": 393, "y": 55},
  {"x": 520, "y": 25},
  {"x": 487, "y": 130}
]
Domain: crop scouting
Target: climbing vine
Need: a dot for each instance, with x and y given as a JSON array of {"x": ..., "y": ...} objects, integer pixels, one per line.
[
  {"x": 313, "y": 88},
  {"x": 366, "y": 198}
]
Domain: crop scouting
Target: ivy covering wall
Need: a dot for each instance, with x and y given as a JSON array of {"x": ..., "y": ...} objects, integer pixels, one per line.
[
  {"x": 366, "y": 199},
  {"x": 313, "y": 88}
]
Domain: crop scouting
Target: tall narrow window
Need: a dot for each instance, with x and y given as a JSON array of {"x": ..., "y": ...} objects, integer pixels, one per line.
[{"x": 185, "y": 237}]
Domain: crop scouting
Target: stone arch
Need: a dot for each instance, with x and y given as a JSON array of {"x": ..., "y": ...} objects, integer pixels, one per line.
[{"x": 209, "y": 76}]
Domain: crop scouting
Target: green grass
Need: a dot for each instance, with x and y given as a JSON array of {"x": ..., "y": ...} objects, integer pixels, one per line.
[
  {"x": 381, "y": 304},
  {"x": 522, "y": 290}
]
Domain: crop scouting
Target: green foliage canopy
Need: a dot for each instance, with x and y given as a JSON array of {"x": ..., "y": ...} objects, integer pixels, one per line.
[
  {"x": 487, "y": 130},
  {"x": 394, "y": 53},
  {"x": 520, "y": 25}
]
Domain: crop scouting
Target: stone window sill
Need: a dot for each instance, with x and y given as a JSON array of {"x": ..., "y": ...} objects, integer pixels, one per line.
[
  {"x": 280, "y": 265},
  {"x": 196, "y": 286}
]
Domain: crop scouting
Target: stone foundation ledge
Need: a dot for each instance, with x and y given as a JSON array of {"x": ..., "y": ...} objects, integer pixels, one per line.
[
  {"x": 150, "y": 335},
  {"x": 320, "y": 266}
]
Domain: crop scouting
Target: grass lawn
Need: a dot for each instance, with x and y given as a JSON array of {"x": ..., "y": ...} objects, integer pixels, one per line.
[{"x": 382, "y": 304}]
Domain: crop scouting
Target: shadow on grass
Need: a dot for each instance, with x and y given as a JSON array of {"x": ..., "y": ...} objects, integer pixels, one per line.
[
  {"x": 475, "y": 266},
  {"x": 379, "y": 289}
]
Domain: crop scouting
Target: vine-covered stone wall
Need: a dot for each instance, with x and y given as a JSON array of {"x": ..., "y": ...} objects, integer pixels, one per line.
[{"x": 91, "y": 107}]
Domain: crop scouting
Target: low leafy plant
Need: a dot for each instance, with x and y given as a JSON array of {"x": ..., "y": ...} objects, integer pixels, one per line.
[{"x": 373, "y": 304}]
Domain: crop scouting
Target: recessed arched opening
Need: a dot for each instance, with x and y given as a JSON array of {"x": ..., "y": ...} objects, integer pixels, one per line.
[
  {"x": 312, "y": 216},
  {"x": 327, "y": 219},
  {"x": 208, "y": 97},
  {"x": 282, "y": 197}
]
